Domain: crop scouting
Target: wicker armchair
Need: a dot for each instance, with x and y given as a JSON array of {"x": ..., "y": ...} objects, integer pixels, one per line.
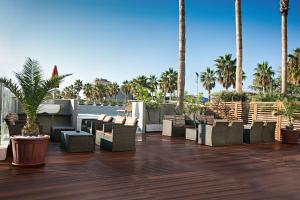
[
  {"x": 121, "y": 137},
  {"x": 253, "y": 132},
  {"x": 235, "y": 133},
  {"x": 268, "y": 135},
  {"x": 175, "y": 125},
  {"x": 106, "y": 126}
]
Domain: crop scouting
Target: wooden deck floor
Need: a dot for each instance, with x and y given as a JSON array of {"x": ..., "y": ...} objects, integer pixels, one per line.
[{"x": 161, "y": 168}]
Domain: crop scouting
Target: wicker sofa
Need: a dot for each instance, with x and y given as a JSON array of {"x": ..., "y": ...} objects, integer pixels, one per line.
[
  {"x": 221, "y": 133},
  {"x": 119, "y": 137},
  {"x": 175, "y": 126},
  {"x": 259, "y": 132}
]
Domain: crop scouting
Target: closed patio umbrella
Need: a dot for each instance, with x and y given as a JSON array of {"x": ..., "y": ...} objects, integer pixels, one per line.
[{"x": 55, "y": 74}]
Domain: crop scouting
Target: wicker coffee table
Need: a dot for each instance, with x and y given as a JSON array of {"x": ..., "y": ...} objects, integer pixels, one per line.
[{"x": 77, "y": 141}]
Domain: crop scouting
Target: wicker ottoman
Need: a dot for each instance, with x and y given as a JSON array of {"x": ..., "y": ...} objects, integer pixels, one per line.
[
  {"x": 191, "y": 134},
  {"x": 77, "y": 141},
  {"x": 55, "y": 133}
]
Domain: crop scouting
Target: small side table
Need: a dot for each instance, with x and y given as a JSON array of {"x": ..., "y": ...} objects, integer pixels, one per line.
[{"x": 191, "y": 134}]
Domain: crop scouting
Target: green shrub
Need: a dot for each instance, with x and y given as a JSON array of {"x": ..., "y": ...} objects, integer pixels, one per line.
[
  {"x": 267, "y": 97},
  {"x": 227, "y": 96}
]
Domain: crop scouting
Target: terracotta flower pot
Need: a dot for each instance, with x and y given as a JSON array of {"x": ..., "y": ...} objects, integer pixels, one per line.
[
  {"x": 29, "y": 151},
  {"x": 289, "y": 136}
]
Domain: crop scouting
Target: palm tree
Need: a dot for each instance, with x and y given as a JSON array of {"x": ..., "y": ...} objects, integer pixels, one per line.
[
  {"x": 263, "y": 76},
  {"x": 31, "y": 90},
  {"x": 226, "y": 69},
  {"x": 88, "y": 91},
  {"x": 125, "y": 88},
  {"x": 99, "y": 92},
  {"x": 152, "y": 84},
  {"x": 181, "y": 69},
  {"x": 294, "y": 67},
  {"x": 137, "y": 83},
  {"x": 239, "y": 47},
  {"x": 78, "y": 87},
  {"x": 141, "y": 81},
  {"x": 168, "y": 82},
  {"x": 208, "y": 80},
  {"x": 284, "y": 8},
  {"x": 113, "y": 89},
  {"x": 69, "y": 92}
]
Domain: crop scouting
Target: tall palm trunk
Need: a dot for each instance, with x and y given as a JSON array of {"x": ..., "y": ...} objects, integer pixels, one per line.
[
  {"x": 181, "y": 70},
  {"x": 209, "y": 95},
  {"x": 126, "y": 97},
  {"x": 239, "y": 47},
  {"x": 284, "y": 7}
]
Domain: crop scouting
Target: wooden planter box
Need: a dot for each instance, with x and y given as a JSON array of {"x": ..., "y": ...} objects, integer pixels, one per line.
[{"x": 290, "y": 136}]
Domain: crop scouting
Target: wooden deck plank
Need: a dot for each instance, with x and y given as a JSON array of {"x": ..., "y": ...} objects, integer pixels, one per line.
[{"x": 161, "y": 168}]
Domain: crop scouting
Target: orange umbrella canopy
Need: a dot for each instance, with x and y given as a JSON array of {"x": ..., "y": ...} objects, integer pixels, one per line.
[{"x": 55, "y": 73}]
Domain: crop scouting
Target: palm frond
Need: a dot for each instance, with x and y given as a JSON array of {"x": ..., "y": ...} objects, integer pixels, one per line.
[{"x": 13, "y": 87}]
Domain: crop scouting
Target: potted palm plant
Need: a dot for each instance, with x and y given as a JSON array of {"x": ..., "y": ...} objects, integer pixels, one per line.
[
  {"x": 29, "y": 149},
  {"x": 288, "y": 110}
]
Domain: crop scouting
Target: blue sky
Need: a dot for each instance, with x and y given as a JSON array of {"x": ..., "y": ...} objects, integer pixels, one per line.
[{"x": 120, "y": 39}]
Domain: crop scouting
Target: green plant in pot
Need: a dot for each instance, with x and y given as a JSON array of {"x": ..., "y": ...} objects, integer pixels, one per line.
[
  {"x": 192, "y": 106},
  {"x": 288, "y": 111},
  {"x": 30, "y": 90}
]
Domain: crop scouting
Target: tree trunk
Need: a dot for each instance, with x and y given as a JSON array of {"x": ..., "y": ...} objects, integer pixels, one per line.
[
  {"x": 284, "y": 53},
  {"x": 209, "y": 95},
  {"x": 181, "y": 70},
  {"x": 239, "y": 47}
]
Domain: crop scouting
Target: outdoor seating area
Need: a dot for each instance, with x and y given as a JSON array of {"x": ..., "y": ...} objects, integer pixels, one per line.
[
  {"x": 112, "y": 133},
  {"x": 149, "y": 100},
  {"x": 219, "y": 132},
  {"x": 184, "y": 170}
]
